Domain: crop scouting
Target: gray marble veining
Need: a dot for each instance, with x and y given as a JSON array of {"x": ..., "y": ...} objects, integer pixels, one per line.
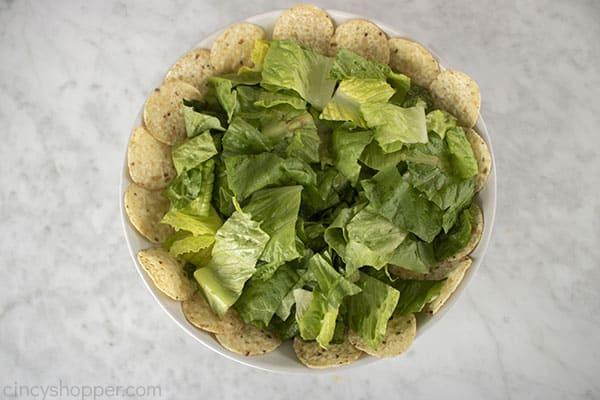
[{"x": 74, "y": 74}]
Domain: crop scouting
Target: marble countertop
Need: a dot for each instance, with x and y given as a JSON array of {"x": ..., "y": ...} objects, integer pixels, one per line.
[{"x": 73, "y": 311}]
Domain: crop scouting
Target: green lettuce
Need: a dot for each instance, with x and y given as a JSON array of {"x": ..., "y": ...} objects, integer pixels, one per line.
[
  {"x": 287, "y": 66},
  {"x": 193, "y": 152},
  {"x": 272, "y": 99},
  {"x": 414, "y": 254},
  {"x": 347, "y": 147},
  {"x": 374, "y": 157},
  {"x": 225, "y": 94},
  {"x": 391, "y": 196},
  {"x": 261, "y": 298},
  {"x": 243, "y": 138},
  {"x": 461, "y": 153},
  {"x": 238, "y": 245},
  {"x": 248, "y": 174},
  {"x": 277, "y": 209},
  {"x": 197, "y": 122},
  {"x": 191, "y": 191},
  {"x": 394, "y": 126},
  {"x": 447, "y": 244},
  {"x": 440, "y": 121},
  {"x": 370, "y": 310},
  {"x": 351, "y": 95},
  {"x": 349, "y": 65}
]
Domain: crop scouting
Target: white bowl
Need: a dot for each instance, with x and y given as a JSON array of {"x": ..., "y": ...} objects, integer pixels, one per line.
[{"x": 283, "y": 360}]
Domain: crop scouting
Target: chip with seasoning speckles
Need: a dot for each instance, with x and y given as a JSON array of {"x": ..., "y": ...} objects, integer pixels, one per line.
[
  {"x": 197, "y": 311},
  {"x": 233, "y": 48},
  {"x": 149, "y": 161},
  {"x": 413, "y": 60},
  {"x": 193, "y": 68},
  {"x": 163, "y": 112},
  {"x": 362, "y": 37},
  {"x": 167, "y": 273},
  {"x": 313, "y": 355},
  {"x": 440, "y": 271},
  {"x": 307, "y": 25},
  {"x": 448, "y": 287},
  {"x": 249, "y": 341},
  {"x": 483, "y": 156},
  {"x": 459, "y": 94},
  {"x": 145, "y": 208},
  {"x": 399, "y": 335}
]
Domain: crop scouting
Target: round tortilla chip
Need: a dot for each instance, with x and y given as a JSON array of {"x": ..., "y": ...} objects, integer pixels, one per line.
[
  {"x": 438, "y": 272},
  {"x": 362, "y": 37},
  {"x": 193, "y": 68},
  {"x": 457, "y": 93},
  {"x": 313, "y": 355},
  {"x": 483, "y": 156},
  {"x": 399, "y": 335},
  {"x": 476, "y": 233},
  {"x": 145, "y": 208},
  {"x": 413, "y": 60},
  {"x": 448, "y": 287},
  {"x": 149, "y": 161},
  {"x": 307, "y": 25},
  {"x": 198, "y": 312},
  {"x": 167, "y": 273},
  {"x": 233, "y": 48},
  {"x": 163, "y": 112},
  {"x": 249, "y": 341}
]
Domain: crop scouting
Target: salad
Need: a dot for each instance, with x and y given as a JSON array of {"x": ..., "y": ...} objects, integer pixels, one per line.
[{"x": 317, "y": 186}]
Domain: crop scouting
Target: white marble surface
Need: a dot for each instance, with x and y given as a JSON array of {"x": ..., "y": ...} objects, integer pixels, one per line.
[{"x": 73, "y": 310}]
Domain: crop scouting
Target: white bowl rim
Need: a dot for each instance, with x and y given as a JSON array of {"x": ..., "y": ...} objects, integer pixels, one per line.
[{"x": 172, "y": 308}]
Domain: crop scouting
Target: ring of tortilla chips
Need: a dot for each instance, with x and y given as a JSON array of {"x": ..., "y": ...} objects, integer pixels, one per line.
[
  {"x": 163, "y": 112},
  {"x": 307, "y": 25},
  {"x": 313, "y": 355},
  {"x": 362, "y": 37},
  {"x": 145, "y": 209},
  {"x": 167, "y": 273},
  {"x": 459, "y": 94},
  {"x": 413, "y": 60},
  {"x": 448, "y": 287},
  {"x": 399, "y": 335},
  {"x": 249, "y": 341},
  {"x": 233, "y": 48},
  {"x": 198, "y": 312},
  {"x": 193, "y": 68},
  {"x": 149, "y": 161}
]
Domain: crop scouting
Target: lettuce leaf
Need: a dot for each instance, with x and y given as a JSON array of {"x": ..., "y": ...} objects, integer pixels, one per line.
[
  {"x": 317, "y": 311},
  {"x": 325, "y": 193},
  {"x": 272, "y": 99},
  {"x": 370, "y": 310},
  {"x": 248, "y": 174},
  {"x": 395, "y": 125},
  {"x": 461, "y": 153},
  {"x": 416, "y": 96},
  {"x": 197, "y": 122},
  {"x": 351, "y": 95},
  {"x": 195, "y": 224},
  {"x": 287, "y": 66},
  {"x": 348, "y": 64},
  {"x": 447, "y": 244},
  {"x": 238, "y": 245},
  {"x": 277, "y": 209},
  {"x": 414, "y": 254},
  {"x": 392, "y": 197},
  {"x": 440, "y": 121},
  {"x": 226, "y": 96},
  {"x": 193, "y": 152},
  {"x": 191, "y": 191},
  {"x": 243, "y": 138},
  {"x": 261, "y": 299},
  {"x": 374, "y": 157},
  {"x": 347, "y": 147}
]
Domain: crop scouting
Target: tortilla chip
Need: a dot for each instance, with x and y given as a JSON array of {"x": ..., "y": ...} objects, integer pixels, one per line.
[
  {"x": 313, "y": 355},
  {"x": 193, "y": 68},
  {"x": 149, "y": 161},
  {"x": 413, "y": 60},
  {"x": 307, "y": 25},
  {"x": 145, "y": 208},
  {"x": 233, "y": 47},
  {"x": 448, "y": 287},
  {"x": 399, "y": 335},
  {"x": 197, "y": 311},
  {"x": 476, "y": 232},
  {"x": 483, "y": 156},
  {"x": 163, "y": 113},
  {"x": 249, "y": 341},
  {"x": 167, "y": 273},
  {"x": 362, "y": 37},
  {"x": 438, "y": 272},
  {"x": 459, "y": 94}
]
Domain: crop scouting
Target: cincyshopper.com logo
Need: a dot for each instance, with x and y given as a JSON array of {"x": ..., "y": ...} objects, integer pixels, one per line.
[{"x": 83, "y": 392}]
